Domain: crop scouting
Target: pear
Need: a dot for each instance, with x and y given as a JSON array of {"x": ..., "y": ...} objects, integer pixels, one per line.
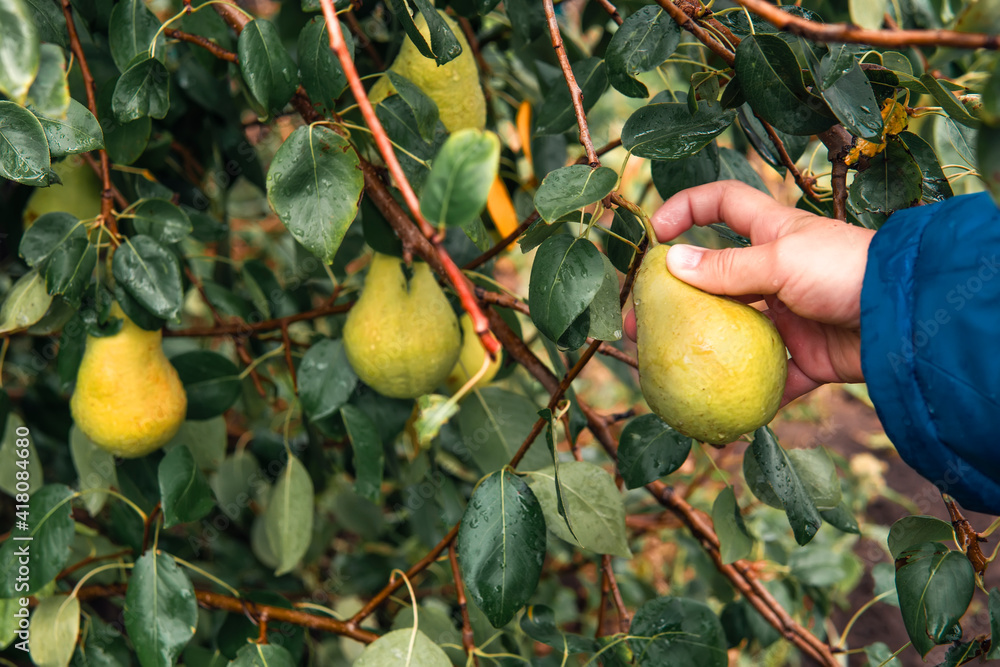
[
  {"x": 401, "y": 337},
  {"x": 128, "y": 398},
  {"x": 454, "y": 86},
  {"x": 711, "y": 367},
  {"x": 470, "y": 360},
  {"x": 78, "y": 194}
]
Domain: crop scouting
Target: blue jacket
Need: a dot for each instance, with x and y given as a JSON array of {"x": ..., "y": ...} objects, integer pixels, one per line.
[{"x": 930, "y": 343}]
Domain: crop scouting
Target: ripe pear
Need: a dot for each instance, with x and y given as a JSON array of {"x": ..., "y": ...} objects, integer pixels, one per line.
[
  {"x": 711, "y": 367},
  {"x": 79, "y": 193},
  {"x": 470, "y": 360},
  {"x": 454, "y": 86},
  {"x": 401, "y": 337},
  {"x": 128, "y": 398}
]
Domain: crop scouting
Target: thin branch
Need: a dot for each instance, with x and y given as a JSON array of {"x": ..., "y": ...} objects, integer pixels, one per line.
[
  {"x": 843, "y": 32},
  {"x": 609, "y": 576},
  {"x": 689, "y": 24},
  {"x": 967, "y": 537},
  {"x": 501, "y": 244},
  {"x": 107, "y": 192},
  {"x": 805, "y": 183},
  {"x": 455, "y": 276},
  {"x": 360, "y": 38},
  {"x": 468, "y": 638},
  {"x": 211, "y": 600},
  {"x": 240, "y": 328},
  {"x": 838, "y": 142},
  {"x": 574, "y": 88},
  {"x": 90, "y": 560},
  {"x": 203, "y": 42},
  {"x": 611, "y": 10}
]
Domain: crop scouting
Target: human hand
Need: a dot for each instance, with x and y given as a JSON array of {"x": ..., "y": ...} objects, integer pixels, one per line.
[{"x": 803, "y": 270}]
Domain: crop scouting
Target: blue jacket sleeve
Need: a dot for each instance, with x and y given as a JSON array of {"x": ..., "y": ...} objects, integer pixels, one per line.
[{"x": 930, "y": 343}]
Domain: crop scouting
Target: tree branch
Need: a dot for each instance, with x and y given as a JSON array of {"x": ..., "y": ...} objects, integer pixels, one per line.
[
  {"x": 689, "y": 24},
  {"x": 468, "y": 639},
  {"x": 203, "y": 42},
  {"x": 838, "y": 142},
  {"x": 843, "y": 32}
]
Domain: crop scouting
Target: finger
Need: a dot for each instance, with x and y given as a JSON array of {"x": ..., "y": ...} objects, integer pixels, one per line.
[
  {"x": 746, "y": 210},
  {"x": 797, "y": 383},
  {"x": 630, "y": 324},
  {"x": 732, "y": 271}
]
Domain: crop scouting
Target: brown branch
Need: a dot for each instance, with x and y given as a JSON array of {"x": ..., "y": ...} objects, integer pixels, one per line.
[
  {"x": 211, "y": 600},
  {"x": 611, "y": 10},
  {"x": 468, "y": 638},
  {"x": 805, "y": 183},
  {"x": 624, "y": 619},
  {"x": 203, "y": 42},
  {"x": 574, "y": 88},
  {"x": 838, "y": 142},
  {"x": 499, "y": 246},
  {"x": 286, "y": 340},
  {"x": 361, "y": 38},
  {"x": 454, "y": 275},
  {"x": 843, "y": 32},
  {"x": 967, "y": 537},
  {"x": 689, "y": 24},
  {"x": 146, "y": 526},
  {"x": 89, "y": 560},
  {"x": 240, "y": 328},
  {"x": 107, "y": 193}
]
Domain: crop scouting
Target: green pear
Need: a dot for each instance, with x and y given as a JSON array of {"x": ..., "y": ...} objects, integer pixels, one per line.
[
  {"x": 402, "y": 337},
  {"x": 711, "y": 367},
  {"x": 78, "y": 194}
]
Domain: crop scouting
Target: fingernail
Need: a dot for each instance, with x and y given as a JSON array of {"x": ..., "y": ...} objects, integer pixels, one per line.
[{"x": 684, "y": 258}]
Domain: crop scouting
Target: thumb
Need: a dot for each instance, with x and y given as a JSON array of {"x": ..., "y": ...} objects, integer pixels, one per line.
[{"x": 731, "y": 271}]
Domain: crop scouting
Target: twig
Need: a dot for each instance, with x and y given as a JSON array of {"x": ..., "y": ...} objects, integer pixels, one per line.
[
  {"x": 574, "y": 88},
  {"x": 838, "y": 142},
  {"x": 611, "y": 10},
  {"x": 805, "y": 183},
  {"x": 455, "y": 276},
  {"x": 211, "y": 600},
  {"x": 203, "y": 42},
  {"x": 468, "y": 638},
  {"x": 501, "y": 244},
  {"x": 146, "y": 526},
  {"x": 616, "y": 595},
  {"x": 361, "y": 38},
  {"x": 967, "y": 537},
  {"x": 241, "y": 328},
  {"x": 843, "y": 32},
  {"x": 107, "y": 193},
  {"x": 91, "y": 559},
  {"x": 689, "y": 24},
  {"x": 286, "y": 340}
]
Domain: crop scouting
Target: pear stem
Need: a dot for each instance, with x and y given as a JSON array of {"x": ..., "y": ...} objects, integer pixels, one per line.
[{"x": 637, "y": 211}]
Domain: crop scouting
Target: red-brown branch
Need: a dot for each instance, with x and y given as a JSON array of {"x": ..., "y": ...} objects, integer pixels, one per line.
[
  {"x": 838, "y": 142},
  {"x": 203, "y": 42},
  {"x": 689, "y": 24},
  {"x": 611, "y": 10},
  {"x": 575, "y": 92},
  {"x": 624, "y": 620},
  {"x": 843, "y": 32},
  {"x": 468, "y": 638},
  {"x": 501, "y": 244}
]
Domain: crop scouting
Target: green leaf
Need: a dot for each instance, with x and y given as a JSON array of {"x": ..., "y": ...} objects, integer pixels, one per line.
[
  {"x": 868, "y": 13},
  {"x": 269, "y": 71},
  {"x": 562, "y": 507},
  {"x": 994, "y": 609},
  {"x": 326, "y": 379},
  {"x": 78, "y": 132},
  {"x": 289, "y": 516},
  {"x": 50, "y": 527},
  {"x": 314, "y": 185},
  {"x": 795, "y": 145},
  {"x": 671, "y": 131},
  {"x": 15, "y": 459},
  {"x": 628, "y": 226},
  {"x": 70, "y": 268},
  {"x": 50, "y": 231},
  {"x": 150, "y": 274},
  {"x": 565, "y": 277},
  {"x": 771, "y": 80},
  {"x": 55, "y": 624},
  {"x": 935, "y": 186},
  {"x": 539, "y": 623},
  {"x": 501, "y": 545},
  {"x": 677, "y": 631},
  {"x": 142, "y": 90},
  {"x": 735, "y": 541},
  {"x": 841, "y": 518},
  {"x": 948, "y": 102},
  {"x": 25, "y": 303},
  {"x": 237, "y": 482},
  {"x": 851, "y": 99},
  {"x": 643, "y": 41},
  {"x": 455, "y": 193},
  {"x": 648, "y": 449},
  {"x": 125, "y": 143},
  {"x": 990, "y": 111},
  {"x": 433, "y": 412},
  {"x": 935, "y": 586},
  {"x": 987, "y": 144},
  {"x": 672, "y": 176},
  {"x": 784, "y": 480},
  {"x": 892, "y": 181},
  {"x": 494, "y": 422},
  {"x": 606, "y": 310},
  {"x": 131, "y": 29},
  {"x": 95, "y": 469},
  {"x": 409, "y": 648},
  {"x": 184, "y": 491},
  {"x": 19, "y": 50},
  {"x": 211, "y": 381},
  {"x": 322, "y": 76},
  {"x": 594, "y": 502},
  {"x": 49, "y": 92},
  {"x": 880, "y": 655},
  {"x": 813, "y": 467},
  {"x": 48, "y": 17},
  {"x": 369, "y": 459},
  {"x": 571, "y": 188},
  {"x": 556, "y": 115},
  {"x": 161, "y": 611},
  {"x": 912, "y": 531},
  {"x": 161, "y": 220},
  {"x": 24, "y": 150},
  {"x": 263, "y": 655},
  {"x": 425, "y": 111},
  {"x": 733, "y": 165}
]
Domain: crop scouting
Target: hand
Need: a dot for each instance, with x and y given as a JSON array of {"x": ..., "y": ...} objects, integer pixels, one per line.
[{"x": 806, "y": 269}]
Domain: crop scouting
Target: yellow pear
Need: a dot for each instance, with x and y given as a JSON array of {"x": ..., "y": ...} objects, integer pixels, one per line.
[
  {"x": 128, "y": 398},
  {"x": 709, "y": 366},
  {"x": 79, "y": 194},
  {"x": 454, "y": 86},
  {"x": 470, "y": 360},
  {"x": 401, "y": 337}
]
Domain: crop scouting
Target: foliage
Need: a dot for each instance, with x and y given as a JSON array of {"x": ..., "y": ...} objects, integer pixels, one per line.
[{"x": 243, "y": 188}]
